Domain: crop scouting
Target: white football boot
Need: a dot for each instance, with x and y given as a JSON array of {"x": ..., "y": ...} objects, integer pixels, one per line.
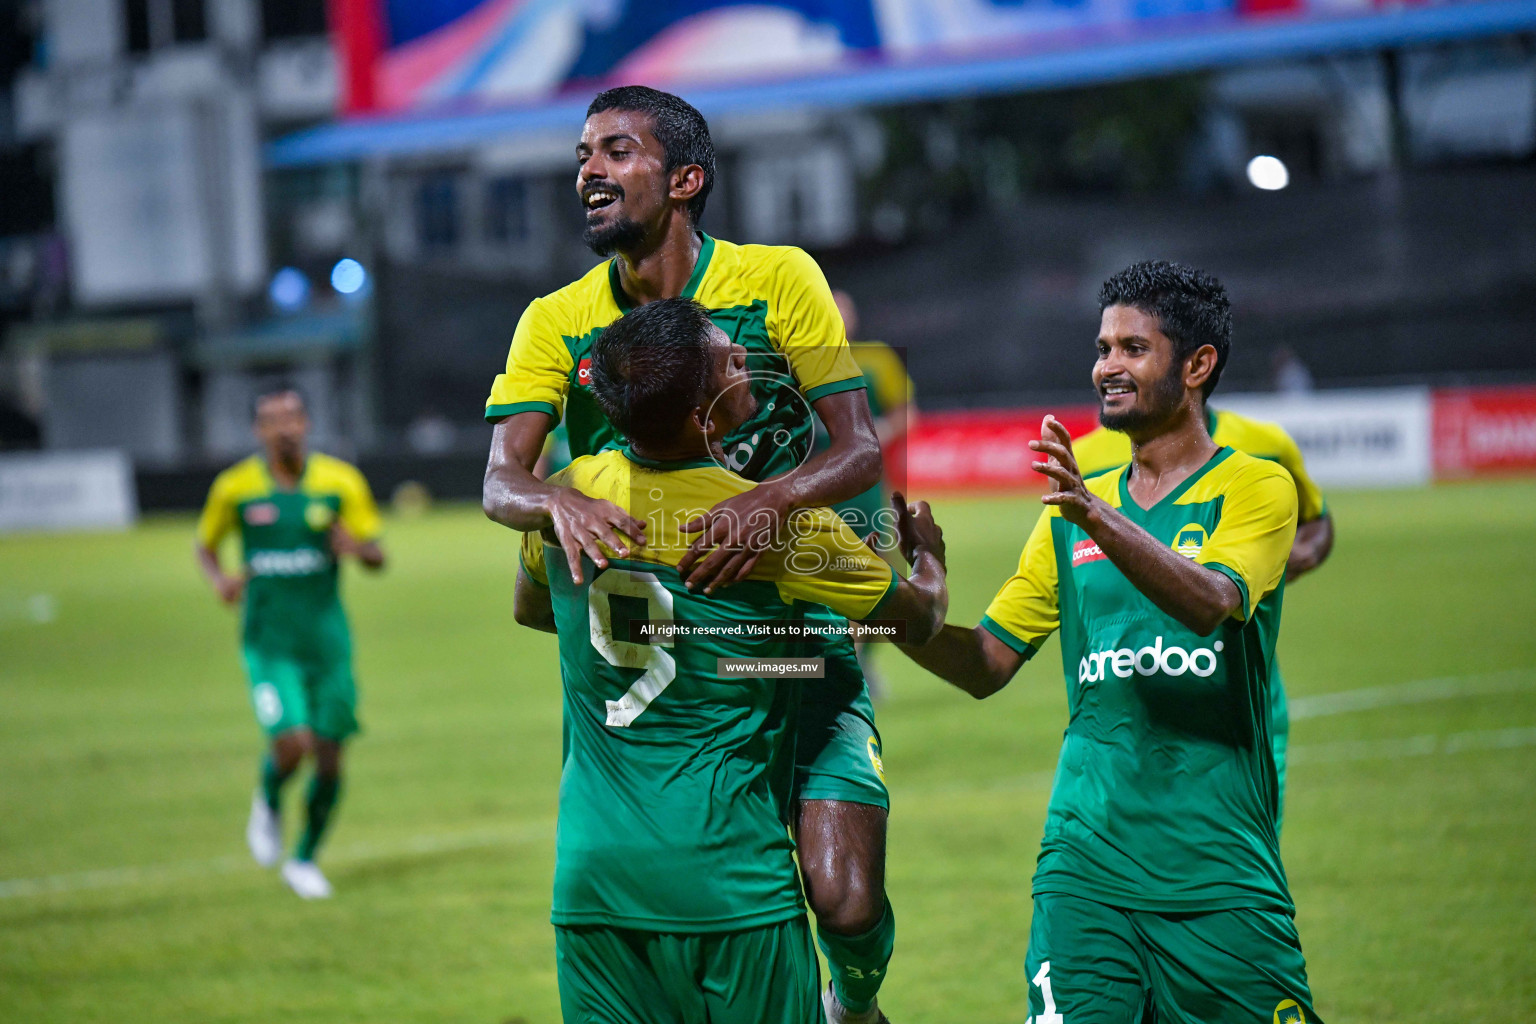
[
  {"x": 304, "y": 878},
  {"x": 837, "y": 1013},
  {"x": 264, "y": 833}
]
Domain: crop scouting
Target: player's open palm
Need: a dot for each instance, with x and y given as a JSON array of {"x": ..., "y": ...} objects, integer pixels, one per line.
[
  {"x": 594, "y": 527},
  {"x": 1067, "y": 487}
]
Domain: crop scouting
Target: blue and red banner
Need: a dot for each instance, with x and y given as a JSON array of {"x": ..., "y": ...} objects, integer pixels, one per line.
[{"x": 414, "y": 55}]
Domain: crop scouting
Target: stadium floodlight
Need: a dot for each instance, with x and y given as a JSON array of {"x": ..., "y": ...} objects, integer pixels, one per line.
[
  {"x": 1268, "y": 173},
  {"x": 348, "y": 276},
  {"x": 289, "y": 289}
]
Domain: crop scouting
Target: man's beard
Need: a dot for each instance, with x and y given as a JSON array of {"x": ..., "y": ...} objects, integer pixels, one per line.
[
  {"x": 618, "y": 235},
  {"x": 1164, "y": 398}
]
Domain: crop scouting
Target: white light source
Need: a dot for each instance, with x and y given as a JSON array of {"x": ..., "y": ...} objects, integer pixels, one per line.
[
  {"x": 348, "y": 275},
  {"x": 289, "y": 289},
  {"x": 1268, "y": 173}
]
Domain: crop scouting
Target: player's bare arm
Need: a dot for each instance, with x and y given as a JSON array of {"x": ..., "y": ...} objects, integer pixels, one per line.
[
  {"x": 971, "y": 659},
  {"x": 514, "y": 497},
  {"x": 1197, "y": 597},
  {"x": 738, "y": 530},
  {"x": 368, "y": 553},
  {"x": 1314, "y": 542},
  {"x": 229, "y": 587},
  {"x": 532, "y": 605}
]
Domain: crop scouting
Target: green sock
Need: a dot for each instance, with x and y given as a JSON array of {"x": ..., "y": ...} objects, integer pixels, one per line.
[
  {"x": 857, "y": 962},
  {"x": 272, "y": 782},
  {"x": 324, "y": 792}
]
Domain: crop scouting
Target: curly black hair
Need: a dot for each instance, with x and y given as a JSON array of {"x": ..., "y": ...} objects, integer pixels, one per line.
[
  {"x": 1191, "y": 307},
  {"x": 677, "y": 125}
]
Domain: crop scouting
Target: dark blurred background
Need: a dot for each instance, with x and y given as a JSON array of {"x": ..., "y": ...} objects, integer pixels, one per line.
[{"x": 203, "y": 195}]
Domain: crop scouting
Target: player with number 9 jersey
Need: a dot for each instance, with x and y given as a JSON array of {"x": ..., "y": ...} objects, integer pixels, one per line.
[
  {"x": 676, "y": 780},
  {"x": 676, "y": 890}
]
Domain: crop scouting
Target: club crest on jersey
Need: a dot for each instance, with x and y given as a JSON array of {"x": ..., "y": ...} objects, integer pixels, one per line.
[
  {"x": 1087, "y": 551},
  {"x": 318, "y": 515},
  {"x": 1190, "y": 540},
  {"x": 1289, "y": 1012},
  {"x": 262, "y": 513},
  {"x": 875, "y": 760},
  {"x": 584, "y": 373}
]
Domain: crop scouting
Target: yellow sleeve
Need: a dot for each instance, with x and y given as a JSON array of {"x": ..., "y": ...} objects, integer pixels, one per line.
[
  {"x": 533, "y": 557},
  {"x": 1253, "y": 539},
  {"x": 538, "y": 371},
  {"x": 218, "y": 516},
  {"x": 803, "y": 322},
  {"x": 886, "y": 374},
  {"x": 1027, "y": 609},
  {"x": 826, "y": 563},
  {"x": 359, "y": 514},
  {"x": 1101, "y": 450},
  {"x": 1309, "y": 497}
]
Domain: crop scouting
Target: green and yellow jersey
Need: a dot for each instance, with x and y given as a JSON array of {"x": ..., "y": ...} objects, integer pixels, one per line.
[
  {"x": 1102, "y": 450},
  {"x": 1165, "y": 792},
  {"x": 675, "y": 782},
  {"x": 772, "y": 300},
  {"x": 291, "y": 595},
  {"x": 887, "y": 384}
]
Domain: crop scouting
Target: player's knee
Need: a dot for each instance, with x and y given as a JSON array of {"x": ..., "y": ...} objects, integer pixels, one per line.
[
  {"x": 292, "y": 747},
  {"x": 847, "y": 904}
]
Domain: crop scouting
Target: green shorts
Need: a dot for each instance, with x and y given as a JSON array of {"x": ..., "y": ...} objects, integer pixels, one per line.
[
  {"x": 766, "y": 975},
  {"x": 1089, "y": 963},
  {"x": 837, "y": 747},
  {"x": 290, "y": 692}
]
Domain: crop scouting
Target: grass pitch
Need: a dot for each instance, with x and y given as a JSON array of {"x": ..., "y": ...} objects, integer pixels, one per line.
[{"x": 128, "y": 754}]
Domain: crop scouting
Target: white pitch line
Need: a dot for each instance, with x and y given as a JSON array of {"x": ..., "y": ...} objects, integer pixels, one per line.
[
  {"x": 122, "y": 877},
  {"x": 1413, "y": 746},
  {"x": 1420, "y": 691}
]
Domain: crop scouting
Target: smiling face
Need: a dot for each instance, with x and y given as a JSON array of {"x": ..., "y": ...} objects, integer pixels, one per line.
[
  {"x": 622, "y": 181},
  {"x": 1139, "y": 378}
]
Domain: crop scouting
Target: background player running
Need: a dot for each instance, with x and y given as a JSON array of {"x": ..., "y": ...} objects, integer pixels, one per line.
[
  {"x": 298, "y": 515},
  {"x": 646, "y": 168},
  {"x": 1103, "y": 449},
  {"x": 676, "y": 896},
  {"x": 1159, "y": 887}
]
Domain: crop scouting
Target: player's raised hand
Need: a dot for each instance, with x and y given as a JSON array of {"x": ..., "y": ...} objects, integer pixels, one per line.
[
  {"x": 916, "y": 528},
  {"x": 735, "y": 533},
  {"x": 584, "y": 524},
  {"x": 1067, "y": 487}
]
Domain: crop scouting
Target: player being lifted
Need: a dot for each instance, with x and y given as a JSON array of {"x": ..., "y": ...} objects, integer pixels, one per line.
[
  {"x": 1159, "y": 887},
  {"x": 646, "y": 167},
  {"x": 1103, "y": 449},
  {"x": 299, "y": 514},
  {"x": 676, "y": 896}
]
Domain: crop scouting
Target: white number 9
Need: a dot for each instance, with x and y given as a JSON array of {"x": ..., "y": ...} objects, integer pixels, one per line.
[{"x": 660, "y": 667}]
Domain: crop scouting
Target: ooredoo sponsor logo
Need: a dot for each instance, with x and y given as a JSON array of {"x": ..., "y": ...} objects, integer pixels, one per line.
[
  {"x": 1086, "y": 551},
  {"x": 298, "y": 562},
  {"x": 1152, "y": 659}
]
